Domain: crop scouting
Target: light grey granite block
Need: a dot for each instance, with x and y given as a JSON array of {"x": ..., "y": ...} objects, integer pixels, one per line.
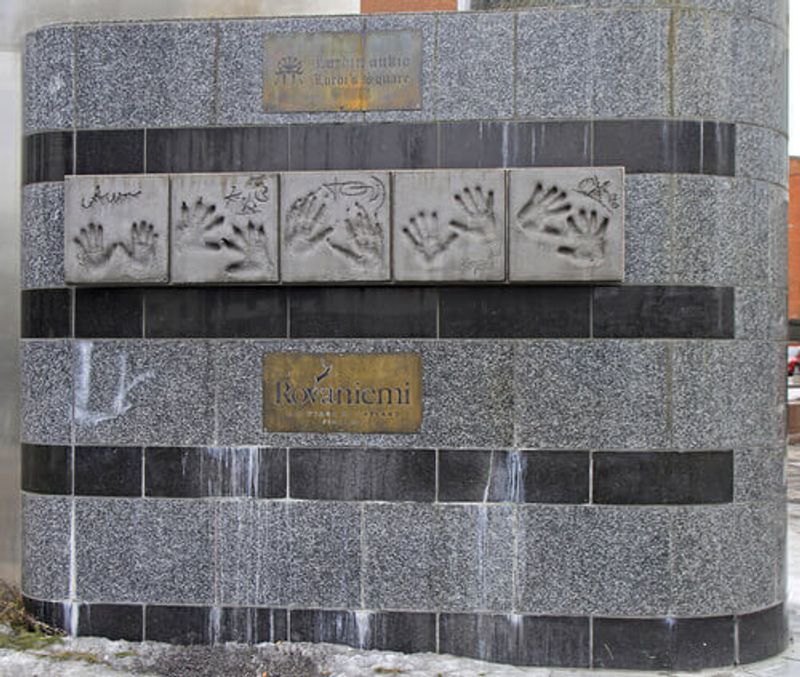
[
  {"x": 720, "y": 233},
  {"x": 777, "y": 200},
  {"x": 48, "y": 68},
  {"x": 151, "y": 551},
  {"x": 727, "y": 393},
  {"x": 772, "y": 11},
  {"x": 46, "y": 392},
  {"x": 473, "y": 81},
  {"x": 116, "y": 229},
  {"x": 761, "y": 313},
  {"x": 450, "y": 558},
  {"x": 554, "y": 64},
  {"x": 46, "y": 546},
  {"x": 630, "y": 63},
  {"x": 590, "y": 395},
  {"x": 449, "y": 225},
  {"x": 467, "y": 401},
  {"x": 145, "y": 74},
  {"x": 240, "y": 76},
  {"x": 142, "y": 392},
  {"x": 42, "y": 236},
  {"x": 762, "y": 154},
  {"x": 726, "y": 559},
  {"x": 426, "y": 24},
  {"x": 759, "y": 474},
  {"x": 593, "y": 560},
  {"x": 566, "y": 224},
  {"x": 224, "y": 228},
  {"x": 648, "y": 232},
  {"x": 335, "y": 226},
  {"x": 297, "y": 553}
]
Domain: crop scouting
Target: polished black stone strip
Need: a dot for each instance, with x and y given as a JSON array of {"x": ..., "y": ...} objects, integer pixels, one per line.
[
  {"x": 655, "y": 145},
  {"x": 517, "y": 640},
  {"x": 114, "y": 621},
  {"x": 362, "y": 312},
  {"x": 515, "y": 312},
  {"x": 662, "y": 478},
  {"x": 47, "y": 156},
  {"x": 218, "y": 149},
  {"x": 663, "y": 643},
  {"x": 520, "y": 476},
  {"x": 794, "y": 330},
  {"x": 215, "y": 312},
  {"x": 45, "y": 611},
  {"x": 109, "y": 313},
  {"x": 663, "y": 312},
  {"x": 206, "y": 625},
  {"x": 363, "y": 474},
  {"x": 117, "y": 151},
  {"x": 196, "y": 472},
  {"x": 393, "y": 631},
  {"x": 762, "y": 634},
  {"x": 108, "y": 471},
  {"x": 46, "y": 469},
  {"x": 45, "y": 313}
]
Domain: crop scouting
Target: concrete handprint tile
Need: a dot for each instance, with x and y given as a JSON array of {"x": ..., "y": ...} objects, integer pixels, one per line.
[
  {"x": 335, "y": 226},
  {"x": 449, "y": 225},
  {"x": 566, "y": 224},
  {"x": 115, "y": 229},
  {"x": 224, "y": 228}
]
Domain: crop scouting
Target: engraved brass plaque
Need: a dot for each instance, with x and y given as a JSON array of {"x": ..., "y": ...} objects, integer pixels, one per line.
[
  {"x": 328, "y": 392},
  {"x": 312, "y": 72}
]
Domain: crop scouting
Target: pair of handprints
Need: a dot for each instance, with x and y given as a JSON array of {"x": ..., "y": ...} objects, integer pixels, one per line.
[
  {"x": 430, "y": 237},
  {"x": 201, "y": 227},
  {"x": 94, "y": 251}
]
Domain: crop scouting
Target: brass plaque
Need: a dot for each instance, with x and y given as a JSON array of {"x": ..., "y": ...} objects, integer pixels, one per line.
[
  {"x": 307, "y": 72},
  {"x": 355, "y": 393}
]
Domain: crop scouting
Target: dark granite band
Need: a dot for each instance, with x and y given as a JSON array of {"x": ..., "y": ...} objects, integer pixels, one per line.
[
  {"x": 641, "y": 146},
  {"x": 362, "y": 474},
  {"x": 574, "y": 641},
  {"x": 381, "y": 312}
]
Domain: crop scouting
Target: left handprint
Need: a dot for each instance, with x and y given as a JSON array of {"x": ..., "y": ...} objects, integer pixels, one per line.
[{"x": 91, "y": 250}]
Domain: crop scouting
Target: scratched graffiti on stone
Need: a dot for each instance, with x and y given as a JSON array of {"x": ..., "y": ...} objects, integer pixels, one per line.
[
  {"x": 449, "y": 225},
  {"x": 335, "y": 226},
  {"x": 566, "y": 225},
  {"x": 225, "y": 228}
]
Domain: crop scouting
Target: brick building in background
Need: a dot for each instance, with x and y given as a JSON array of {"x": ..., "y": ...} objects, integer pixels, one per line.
[{"x": 794, "y": 249}]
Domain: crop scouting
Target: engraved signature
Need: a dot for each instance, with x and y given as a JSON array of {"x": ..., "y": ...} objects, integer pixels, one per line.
[
  {"x": 108, "y": 198},
  {"x": 598, "y": 191},
  {"x": 250, "y": 200}
]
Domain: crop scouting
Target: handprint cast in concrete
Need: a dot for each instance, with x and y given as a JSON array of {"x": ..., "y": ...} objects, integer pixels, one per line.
[
  {"x": 225, "y": 228},
  {"x": 566, "y": 227},
  {"x": 116, "y": 229},
  {"x": 449, "y": 225},
  {"x": 335, "y": 226}
]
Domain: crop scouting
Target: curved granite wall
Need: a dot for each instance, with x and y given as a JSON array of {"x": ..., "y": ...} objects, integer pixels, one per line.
[{"x": 598, "y": 479}]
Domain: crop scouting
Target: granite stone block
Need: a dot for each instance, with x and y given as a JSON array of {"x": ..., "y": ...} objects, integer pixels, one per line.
[
  {"x": 630, "y": 65},
  {"x": 45, "y": 546},
  {"x": 771, "y": 11},
  {"x": 224, "y": 228},
  {"x": 46, "y": 392},
  {"x": 777, "y": 200},
  {"x": 553, "y": 64},
  {"x": 467, "y": 401},
  {"x": 593, "y": 560},
  {"x": 607, "y": 394},
  {"x": 566, "y": 224},
  {"x": 49, "y": 69},
  {"x": 298, "y": 553},
  {"x": 449, "y": 226},
  {"x": 725, "y": 559},
  {"x": 240, "y": 68},
  {"x": 761, "y": 154},
  {"x": 453, "y": 558},
  {"x": 708, "y": 409},
  {"x": 142, "y": 392},
  {"x": 335, "y": 226},
  {"x": 720, "y": 233},
  {"x": 116, "y": 229},
  {"x": 759, "y": 474},
  {"x": 163, "y": 74},
  {"x": 475, "y": 82},
  {"x": 151, "y": 551},
  {"x": 761, "y": 313},
  {"x": 42, "y": 236}
]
